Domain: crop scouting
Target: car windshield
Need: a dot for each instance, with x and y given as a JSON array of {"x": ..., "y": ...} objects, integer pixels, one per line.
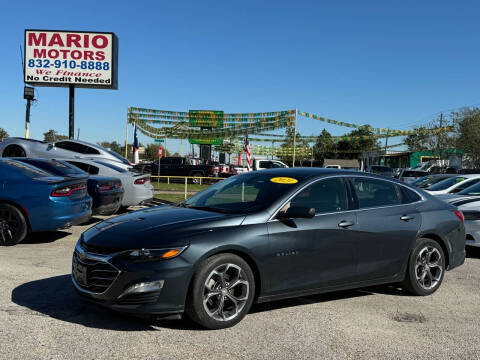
[
  {"x": 116, "y": 155},
  {"x": 427, "y": 181},
  {"x": 473, "y": 190},
  {"x": 113, "y": 167},
  {"x": 55, "y": 167},
  {"x": 445, "y": 184},
  {"x": 244, "y": 193}
]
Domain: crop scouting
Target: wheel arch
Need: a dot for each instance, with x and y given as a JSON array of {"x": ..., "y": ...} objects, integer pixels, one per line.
[
  {"x": 441, "y": 242},
  {"x": 21, "y": 209},
  {"x": 14, "y": 146},
  {"x": 244, "y": 255}
]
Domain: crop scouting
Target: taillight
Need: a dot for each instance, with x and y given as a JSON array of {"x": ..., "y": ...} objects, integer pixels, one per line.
[
  {"x": 459, "y": 214},
  {"x": 141, "y": 181},
  {"x": 68, "y": 190},
  {"x": 104, "y": 187}
]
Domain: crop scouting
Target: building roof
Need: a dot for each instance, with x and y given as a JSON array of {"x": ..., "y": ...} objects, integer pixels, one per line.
[{"x": 344, "y": 163}]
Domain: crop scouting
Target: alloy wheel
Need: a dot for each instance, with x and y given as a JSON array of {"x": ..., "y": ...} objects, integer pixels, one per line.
[
  {"x": 429, "y": 267},
  {"x": 226, "y": 292},
  {"x": 10, "y": 225}
]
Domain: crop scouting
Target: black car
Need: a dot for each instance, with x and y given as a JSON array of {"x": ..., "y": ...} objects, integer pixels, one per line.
[
  {"x": 268, "y": 235},
  {"x": 106, "y": 192}
]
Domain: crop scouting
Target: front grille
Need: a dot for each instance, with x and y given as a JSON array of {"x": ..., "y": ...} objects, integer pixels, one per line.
[
  {"x": 99, "y": 274},
  {"x": 139, "y": 299},
  {"x": 95, "y": 249}
]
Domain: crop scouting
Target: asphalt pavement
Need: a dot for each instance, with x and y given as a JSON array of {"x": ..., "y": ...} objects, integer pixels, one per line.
[{"x": 41, "y": 317}]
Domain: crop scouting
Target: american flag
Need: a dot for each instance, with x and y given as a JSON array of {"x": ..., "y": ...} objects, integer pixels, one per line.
[
  {"x": 246, "y": 147},
  {"x": 136, "y": 160}
]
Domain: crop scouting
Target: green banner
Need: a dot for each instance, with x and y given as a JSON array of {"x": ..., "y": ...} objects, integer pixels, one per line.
[
  {"x": 205, "y": 118},
  {"x": 206, "y": 141}
]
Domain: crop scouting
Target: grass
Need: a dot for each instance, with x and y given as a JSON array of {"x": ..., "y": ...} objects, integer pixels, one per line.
[
  {"x": 177, "y": 187},
  {"x": 171, "y": 197}
]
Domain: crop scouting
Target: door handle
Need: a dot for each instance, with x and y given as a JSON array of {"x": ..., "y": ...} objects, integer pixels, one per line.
[
  {"x": 345, "y": 224},
  {"x": 406, "y": 217}
]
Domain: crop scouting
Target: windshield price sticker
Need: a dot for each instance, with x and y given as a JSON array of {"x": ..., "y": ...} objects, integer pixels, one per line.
[{"x": 284, "y": 180}]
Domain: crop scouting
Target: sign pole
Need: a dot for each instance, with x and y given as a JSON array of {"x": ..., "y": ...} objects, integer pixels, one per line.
[
  {"x": 294, "y": 137},
  {"x": 71, "y": 112},
  {"x": 27, "y": 120}
]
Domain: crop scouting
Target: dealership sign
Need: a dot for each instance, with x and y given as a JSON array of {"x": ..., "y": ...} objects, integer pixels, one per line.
[{"x": 71, "y": 58}]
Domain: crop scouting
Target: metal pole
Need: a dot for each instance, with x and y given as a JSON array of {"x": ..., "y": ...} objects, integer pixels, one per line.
[
  {"x": 294, "y": 137},
  {"x": 27, "y": 120},
  {"x": 71, "y": 112},
  {"x": 78, "y": 133}
]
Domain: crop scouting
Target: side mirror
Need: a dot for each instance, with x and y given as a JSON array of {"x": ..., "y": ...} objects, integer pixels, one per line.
[
  {"x": 50, "y": 146},
  {"x": 297, "y": 212}
]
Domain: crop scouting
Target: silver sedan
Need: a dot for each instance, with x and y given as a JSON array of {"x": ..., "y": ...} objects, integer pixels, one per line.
[
  {"x": 67, "y": 149},
  {"x": 138, "y": 189}
]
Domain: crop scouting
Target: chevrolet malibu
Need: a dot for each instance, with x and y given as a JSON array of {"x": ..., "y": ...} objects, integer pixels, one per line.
[{"x": 268, "y": 235}]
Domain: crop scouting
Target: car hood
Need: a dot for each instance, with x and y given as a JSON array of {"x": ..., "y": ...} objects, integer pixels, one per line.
[{"x": 161, "y": 226}]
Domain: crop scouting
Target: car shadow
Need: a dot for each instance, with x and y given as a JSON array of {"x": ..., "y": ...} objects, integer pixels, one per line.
[
  {"x": 306, "y": 300},
  {"x": 473, "y": 252},
  {"x": 55, "y": 297},
  {"x": 44, "y": 237}
]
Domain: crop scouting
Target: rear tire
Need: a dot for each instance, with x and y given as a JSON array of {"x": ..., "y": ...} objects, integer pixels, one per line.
[
  {"x": 221, "y": 293},
  {"x": 426, "y": 268},
  {"x": 196, "y": 180},
  {"x": 13, "y": 226},
  {"x": 14, "y": 151}
]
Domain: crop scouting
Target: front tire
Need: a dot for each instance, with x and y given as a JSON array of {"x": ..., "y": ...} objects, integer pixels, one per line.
[
  {"x": 13, "y": 226},
  {"x": 426, "y": 268},
  {"x": 221, "y": 293}
]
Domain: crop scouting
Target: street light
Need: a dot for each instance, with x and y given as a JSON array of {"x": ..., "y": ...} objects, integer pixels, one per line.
[{"x": 29, "y": 95}]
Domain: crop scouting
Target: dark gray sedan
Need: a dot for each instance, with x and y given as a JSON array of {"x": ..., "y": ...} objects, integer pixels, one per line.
[{"x": 268, "y": 235}]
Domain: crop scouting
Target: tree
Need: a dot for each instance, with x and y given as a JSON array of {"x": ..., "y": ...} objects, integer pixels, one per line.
[
  {"x": 419, "y": 140},
  {"x": 302, "y": 151},
  {"x": 113, "y": 146},
  {"x": 324, "y": 146},
  {"x": 52, "y": 136},
  {"x": 151, "y": 152},
  {"x": 3, "y": 133},
  {"x": 467, "y": 124},
  {"x": 363, "y": 140},
  {"x": 436, "y": 137}
]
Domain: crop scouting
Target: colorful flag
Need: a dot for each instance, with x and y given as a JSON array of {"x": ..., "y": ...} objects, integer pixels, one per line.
[
  {"x": 135, "y": 145},
  {"x": 248, "y": 152}
]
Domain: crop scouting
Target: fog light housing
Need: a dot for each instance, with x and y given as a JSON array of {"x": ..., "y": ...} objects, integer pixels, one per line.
[{"x": 143, "y": 287}]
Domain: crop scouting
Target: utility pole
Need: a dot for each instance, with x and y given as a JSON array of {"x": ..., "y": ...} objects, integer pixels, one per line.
[
  {"x": 440, "y": 137},
  {"x": 385, "y": 151},
  {"x": 71, "y": 112}
]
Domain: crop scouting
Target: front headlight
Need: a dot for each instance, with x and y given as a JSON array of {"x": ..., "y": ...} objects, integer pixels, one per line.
[{"x": 142, "y": 255}]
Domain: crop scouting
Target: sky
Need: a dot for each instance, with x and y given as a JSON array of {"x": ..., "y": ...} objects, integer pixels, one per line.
[{"x": 394, "y": 64}]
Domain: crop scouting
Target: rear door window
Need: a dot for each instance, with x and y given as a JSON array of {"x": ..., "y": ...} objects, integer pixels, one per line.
[
  {"x": 375, "y": 193},
  {"x": 90, "y": 169}
]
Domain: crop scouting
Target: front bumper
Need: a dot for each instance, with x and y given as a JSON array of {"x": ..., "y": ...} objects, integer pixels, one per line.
[{"x": 175, "y": 274}]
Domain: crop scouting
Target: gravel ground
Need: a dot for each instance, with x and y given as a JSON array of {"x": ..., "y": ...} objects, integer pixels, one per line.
[{"x": 41, "y": 317}]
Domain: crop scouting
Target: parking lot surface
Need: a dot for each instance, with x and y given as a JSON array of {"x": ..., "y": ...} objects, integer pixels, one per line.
[{"x": 41, "y": 317}]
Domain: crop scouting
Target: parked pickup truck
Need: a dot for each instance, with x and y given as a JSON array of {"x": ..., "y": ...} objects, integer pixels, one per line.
[
  {"x": 267, "y": 164},
  {"x": 180, "y": 166}
]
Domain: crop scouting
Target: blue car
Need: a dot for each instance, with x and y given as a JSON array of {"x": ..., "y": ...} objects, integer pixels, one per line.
[
  {"x": 106, "y": 192},
  {"x": 34, "y": 200}
]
